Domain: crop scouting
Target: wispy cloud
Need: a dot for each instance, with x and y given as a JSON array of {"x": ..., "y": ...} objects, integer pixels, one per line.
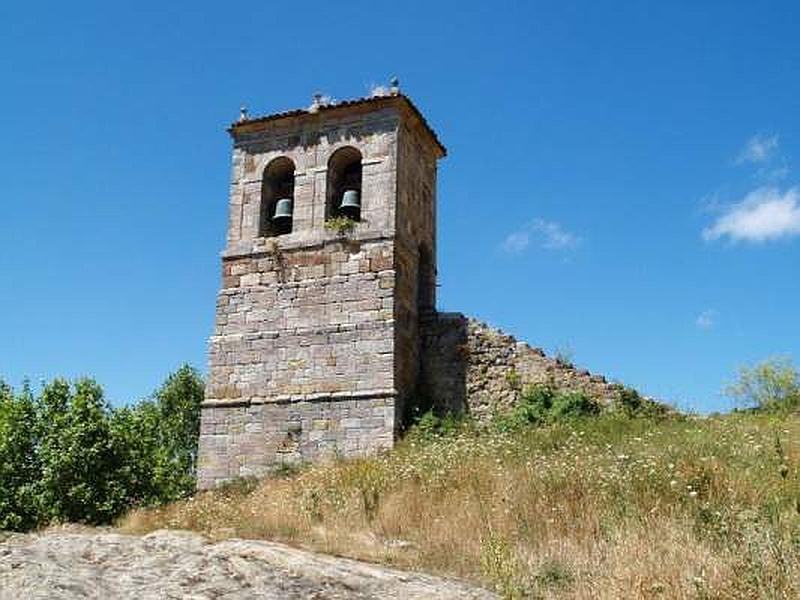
[
  {"x": 758, "y": 149},
  {"x": 516, "y": 242},
  {"x": 553, "y": 236},
  {"x": 706, "y": 319},
  {"x": 774, "y": 173},
  {"x": 547, "y": 234},
  {"x": 764, "y": 214}
]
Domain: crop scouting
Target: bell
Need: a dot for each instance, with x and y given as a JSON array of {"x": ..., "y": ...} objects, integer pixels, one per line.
[
  {"x": 350, "y": 201},
  {"x": 283, "y": 209}
]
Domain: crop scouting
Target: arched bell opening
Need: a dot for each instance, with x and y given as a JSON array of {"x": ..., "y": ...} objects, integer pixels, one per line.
[
  {"x": 344, "y": 184},
  {"x": 277, "y": 197}
]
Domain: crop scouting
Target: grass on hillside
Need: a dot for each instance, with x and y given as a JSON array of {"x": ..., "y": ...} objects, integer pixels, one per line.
[{"x": 604, "y": 507}]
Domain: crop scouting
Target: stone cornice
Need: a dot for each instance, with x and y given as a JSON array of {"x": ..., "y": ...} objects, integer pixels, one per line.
[{"x": 293, "y": 398}]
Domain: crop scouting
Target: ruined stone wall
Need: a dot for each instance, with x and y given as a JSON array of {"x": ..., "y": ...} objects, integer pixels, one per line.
[{"x": 470, "y": 366}]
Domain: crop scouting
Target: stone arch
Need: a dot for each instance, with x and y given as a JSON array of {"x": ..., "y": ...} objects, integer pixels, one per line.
[
  {"x": 344, "y": 174},
  {"x": 277, "y": 183}
]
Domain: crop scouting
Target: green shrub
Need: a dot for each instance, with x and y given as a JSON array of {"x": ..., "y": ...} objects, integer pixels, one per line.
[
  {"x": 630, "y": 401},
  {"x": 177, "y": 404},
  {"x": 572, "y": 405},
  {"x": 66, "y": 455},
  {"x": 542, "y": 404},
  {"x": 341, "y": 225},
  {"x": 430, "y": 425},
  {"x": 79, "y": 462},
  {"x": 772, "y": 385},
  {"x": 19, "y": 468}
]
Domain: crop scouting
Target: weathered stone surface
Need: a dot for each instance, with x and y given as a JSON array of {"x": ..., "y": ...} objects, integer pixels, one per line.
[
  {"x": 250, "y": 439},
  {"x": 175, "y": 564},
  {"x": 322, "y": 340},
  {"x": 470, "y": 366},
  {"x": 311, "y": 325}
]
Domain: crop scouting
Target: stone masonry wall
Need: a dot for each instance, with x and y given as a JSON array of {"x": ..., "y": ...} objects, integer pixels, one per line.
[
  {"x": 470, "y": 366},
  {"x": 302, "y": 360},
  {"x": 414, "y": 253},
  {"x": 246, "y": 440},
  {"x": 316, "y": 346},
  {"x": 303, "y": 321}
]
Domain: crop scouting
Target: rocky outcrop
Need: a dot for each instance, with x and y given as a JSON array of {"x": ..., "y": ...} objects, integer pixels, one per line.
[
  {"x": 175, "y": 564},
  {"x": 468, "y": 365}
]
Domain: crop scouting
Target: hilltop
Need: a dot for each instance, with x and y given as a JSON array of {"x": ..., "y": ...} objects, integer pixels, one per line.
[{"x": 606, "y": 506}]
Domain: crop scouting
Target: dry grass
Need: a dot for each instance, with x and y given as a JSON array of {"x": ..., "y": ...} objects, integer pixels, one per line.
[{"x": 603, "y": 508}]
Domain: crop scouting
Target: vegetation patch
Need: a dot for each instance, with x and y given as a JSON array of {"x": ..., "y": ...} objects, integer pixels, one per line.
[
  {"x": 340, "y": 225},
  {"x": 67, "y": 456},
  {"x": 555, "y": 499},
  {"x": 603, "y": 506},
  {"x": 542, "y": 404}
]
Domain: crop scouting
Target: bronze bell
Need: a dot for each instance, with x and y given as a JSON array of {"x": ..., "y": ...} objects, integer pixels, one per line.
[
  {"x": 351, "y": 202},
  {"x": 283, "y": 209}
]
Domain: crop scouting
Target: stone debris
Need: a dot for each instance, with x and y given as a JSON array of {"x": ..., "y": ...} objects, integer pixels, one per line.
[{"x": 177, "y": 564}]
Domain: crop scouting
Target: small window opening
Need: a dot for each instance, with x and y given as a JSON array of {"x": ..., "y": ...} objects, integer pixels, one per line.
[{"x": 426, "y": 281}]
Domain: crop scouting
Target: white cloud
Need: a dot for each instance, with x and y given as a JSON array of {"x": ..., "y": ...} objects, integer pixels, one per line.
[
  {"x": 758, "y": 149},
  {"x": 706, "y": 319},
  {"x": 549, "y": 235},
  {"x": 764, "y": 214},
  {"x": 516, "y": 242},
  {"x": 553, "y": 235}
]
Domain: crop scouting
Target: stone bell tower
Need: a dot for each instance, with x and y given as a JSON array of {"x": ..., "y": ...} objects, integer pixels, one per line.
[{"x": 328, "y": 267}]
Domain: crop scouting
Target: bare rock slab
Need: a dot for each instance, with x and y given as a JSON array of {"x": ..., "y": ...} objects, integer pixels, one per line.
[{"x": 176, "y": 564}]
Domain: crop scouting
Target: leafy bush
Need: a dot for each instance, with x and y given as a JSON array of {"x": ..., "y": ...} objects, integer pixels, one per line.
[
  {"x": 630, "y": 401},
  {"x": 632, "y": 404},
  {"x": 19, "y": 468},
  {"x": 572, "y": 405},
  {"x": 542, "y": 404},
  {"x": 78, "y": 459},
  {"x": 430, "y": 425},
  {"x": 772, "y": 385},
  {"x": 66, "y": 455},
  {"x": 340, "y": 225}
]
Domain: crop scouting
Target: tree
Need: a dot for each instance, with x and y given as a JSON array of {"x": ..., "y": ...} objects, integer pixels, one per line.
[
  {"x": 19, "y": 466},
  {"x": 177, "y": 404},
  {"x": 134, "y": 431},
  {"x": 67, "y": 456},
  {"x": 773, "y": 384},
  {"x": 80, "y": 463}
]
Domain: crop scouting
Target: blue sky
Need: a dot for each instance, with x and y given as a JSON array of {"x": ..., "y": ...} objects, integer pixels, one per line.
[{"x": 621, "y": 182}]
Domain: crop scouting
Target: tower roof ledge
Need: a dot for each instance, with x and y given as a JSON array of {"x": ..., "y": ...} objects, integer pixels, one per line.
[{"x": 253, "y": 124}]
